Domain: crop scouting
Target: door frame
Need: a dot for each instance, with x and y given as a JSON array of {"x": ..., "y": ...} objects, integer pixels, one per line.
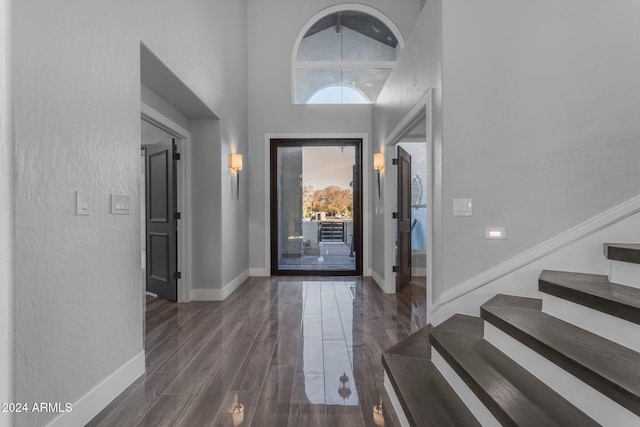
[
  {"x": 183, "y": 175},
  {"x": 357, "y": 202},
  {"x": 423, "y": 109},
  {"x": 366, "y": 189}
]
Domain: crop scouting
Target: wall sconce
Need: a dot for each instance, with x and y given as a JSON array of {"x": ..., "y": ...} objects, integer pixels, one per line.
[
  {"x": 378, "y": 165},
  {"x": 235, "y": 164}
]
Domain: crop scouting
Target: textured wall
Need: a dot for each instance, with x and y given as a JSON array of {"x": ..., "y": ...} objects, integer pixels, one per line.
[
  {"x": 537, "y": 114},
  {"x": 419, "y": 68},
  {"x": 541, "y": 121},
  {"x": 6, "y": 214},
  {"x": 271, "y": 40},
  {"x": 77, "y": 108}
]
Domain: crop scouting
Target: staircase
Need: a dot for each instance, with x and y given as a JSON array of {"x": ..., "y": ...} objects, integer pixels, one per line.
[{"x": 571, "y": 358}]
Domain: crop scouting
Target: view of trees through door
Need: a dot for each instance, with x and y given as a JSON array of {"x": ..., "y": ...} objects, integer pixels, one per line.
[{"x": 316, "y": 206}]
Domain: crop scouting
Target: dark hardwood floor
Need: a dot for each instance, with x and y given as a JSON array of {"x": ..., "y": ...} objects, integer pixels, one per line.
[{"x": 303, "y": 351}]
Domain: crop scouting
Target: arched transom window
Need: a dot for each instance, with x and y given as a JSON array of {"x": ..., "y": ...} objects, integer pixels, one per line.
[{"x": 344, "y": 57}]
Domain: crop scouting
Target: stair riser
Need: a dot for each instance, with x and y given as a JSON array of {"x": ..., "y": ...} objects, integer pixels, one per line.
[
  {"x": 624, "y": 273},
  {"x": 607, "y": 326},
  {"x": 477, "y": 408},
  {"x": 395, "y": 402},
  {"x": 593, "y": 403}
]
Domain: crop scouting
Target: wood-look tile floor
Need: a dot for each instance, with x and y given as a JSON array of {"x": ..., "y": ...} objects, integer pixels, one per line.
[{"x": 302, "y": 351}]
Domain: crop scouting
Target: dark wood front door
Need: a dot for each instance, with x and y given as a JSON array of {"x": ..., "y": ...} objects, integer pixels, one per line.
[
  {"x": 162, "y": 251},
  {"x": 403, "y": 252}
]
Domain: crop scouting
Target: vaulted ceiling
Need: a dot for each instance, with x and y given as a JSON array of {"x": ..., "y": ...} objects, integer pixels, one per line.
[{"x": 356, "y": 21}]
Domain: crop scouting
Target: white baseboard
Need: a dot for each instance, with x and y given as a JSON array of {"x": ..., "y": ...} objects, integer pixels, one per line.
[
  {"x": 571, "y": 251},
  {"x": 206, "y": 295},
  {"x": 259, "y": 272},
  {"x": 101, "y": 395},
  {"x": 219, "y": 294},
  {"x": 377, "y": 278}
]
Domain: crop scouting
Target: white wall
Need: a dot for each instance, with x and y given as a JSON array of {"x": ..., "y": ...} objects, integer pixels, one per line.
[
  {"x": 206, "y": 181},
  {"x": 77, "y": 107},
  {"x": 541, "y": 123},
  {"x": 153, "y": 100},
  {"x": 6, "y": 214},
  {"x": 273, "y": 29},
  {"x": 418, "y": 69},
  {"x": 538, "y": 118}
]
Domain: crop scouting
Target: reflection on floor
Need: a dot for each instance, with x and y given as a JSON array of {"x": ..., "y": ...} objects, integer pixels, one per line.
[
  {"x": 414, "y": 298},
  {"x": 327, "y": 256},
  {"x": 327, "y": 331},
  {"x": 277, "y": 352}
]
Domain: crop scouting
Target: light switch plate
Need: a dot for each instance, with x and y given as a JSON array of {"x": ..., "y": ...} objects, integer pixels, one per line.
[
  {"x": 83, "y": 203},
  {"x": 462, "y": 207},
  {"x": 120, "y": 204}
]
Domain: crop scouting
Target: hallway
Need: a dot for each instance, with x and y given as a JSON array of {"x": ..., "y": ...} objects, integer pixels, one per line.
[{"x": 293, "y": 351}]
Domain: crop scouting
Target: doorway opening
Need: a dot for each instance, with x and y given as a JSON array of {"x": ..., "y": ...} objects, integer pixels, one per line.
[
  {"x": 316, "y": 206},
  {"x": 411, "y": 228},
  {"x": 413, "y": 243}
]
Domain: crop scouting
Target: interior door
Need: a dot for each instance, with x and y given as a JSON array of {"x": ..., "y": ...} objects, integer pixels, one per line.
[
  {"x": 403, "y": 252},
  {"x": 162, "y": 250}
]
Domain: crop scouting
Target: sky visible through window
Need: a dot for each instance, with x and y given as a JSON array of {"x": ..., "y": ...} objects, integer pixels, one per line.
[
  {"x": 327, "y": 166},
  {"x": 338, "y": 95}
]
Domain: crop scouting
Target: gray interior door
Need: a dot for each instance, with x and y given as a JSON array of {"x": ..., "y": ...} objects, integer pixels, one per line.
[
  {"x": 403, "y": 252},
  {"x": 162, "y": 233}
]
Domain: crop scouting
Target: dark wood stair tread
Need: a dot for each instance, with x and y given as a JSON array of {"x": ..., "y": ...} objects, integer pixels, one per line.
[
  {"x": 415, "y": 345},
  {"x": 612, "y": 369},
  {"x": 425, "y": 395},
  {"x": 594, "y": 291},
  {"x": 625, "y": 252},
  {"x": 512, "y": 394}
]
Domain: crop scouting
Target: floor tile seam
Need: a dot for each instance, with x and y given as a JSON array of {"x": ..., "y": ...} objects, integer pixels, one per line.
[
  {"x": 187, "y": 337},
  {"x": 162, "y": 364},
  {"x": 159, "y": 309},
  {"x": 117, "y": 407},
  {"x": 137, "y": 424},
  {"x": 191, "y": 361}
]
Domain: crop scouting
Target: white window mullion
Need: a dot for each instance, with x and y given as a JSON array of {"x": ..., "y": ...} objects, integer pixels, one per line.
[{"x": 344, "y": 65}]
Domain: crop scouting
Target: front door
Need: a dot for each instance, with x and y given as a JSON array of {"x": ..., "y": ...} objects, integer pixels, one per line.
[
  {"x": 403, "y": 252},
  {"x": 316, "y": 207},
  {"x": 161, "y": 220}
]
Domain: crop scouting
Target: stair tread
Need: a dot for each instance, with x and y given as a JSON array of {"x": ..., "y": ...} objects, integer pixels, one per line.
[
  {"x": 609, "y": 367},
  {"x": 594, "y": 291},
  {"x": 415, "y": 345},
  {"x": 625, "y": 252},
  {"x": 425, "y": 395},
  {"x": 509, "y": 391}
]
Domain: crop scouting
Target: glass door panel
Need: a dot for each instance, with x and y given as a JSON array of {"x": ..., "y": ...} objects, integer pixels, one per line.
[{"x": 315, "y": 207}]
